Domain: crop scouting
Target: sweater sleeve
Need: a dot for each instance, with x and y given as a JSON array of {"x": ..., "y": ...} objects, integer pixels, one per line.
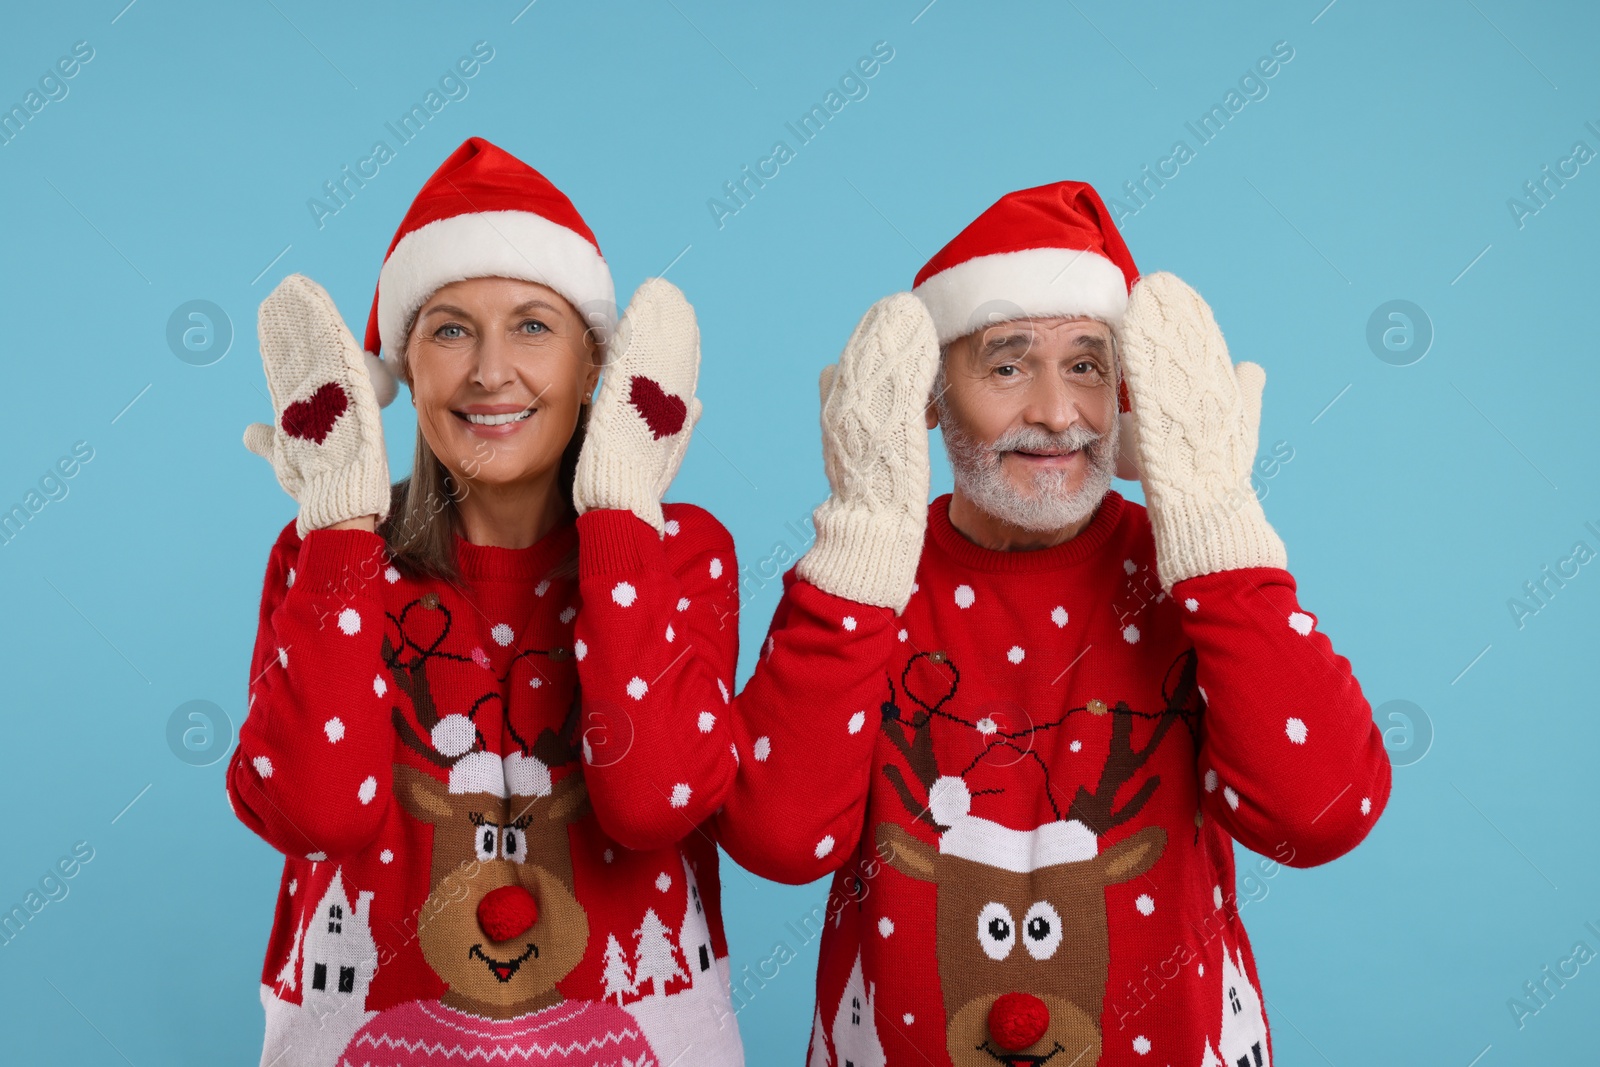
[
  {"x": 656, "y": 644},
  {"x": 806, "y": 726},
  {"x": 311, "y": 772},
  {"x": 1291, "y": 762}
]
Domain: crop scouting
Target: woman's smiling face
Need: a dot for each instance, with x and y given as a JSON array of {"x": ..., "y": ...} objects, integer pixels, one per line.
[{"x": 499, "y": 370}]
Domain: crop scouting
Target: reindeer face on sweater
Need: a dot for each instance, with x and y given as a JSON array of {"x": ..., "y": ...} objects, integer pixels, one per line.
[
  {"x": 1041, "y": 933},
  {"x": 501, "y": 924}
]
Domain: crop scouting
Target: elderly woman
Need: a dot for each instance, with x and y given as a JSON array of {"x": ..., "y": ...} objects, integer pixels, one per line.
[{"x": 487, "y": 703}]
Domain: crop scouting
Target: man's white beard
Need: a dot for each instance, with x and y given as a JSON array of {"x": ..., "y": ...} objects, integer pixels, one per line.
[{"x": 1051, "y": 505}]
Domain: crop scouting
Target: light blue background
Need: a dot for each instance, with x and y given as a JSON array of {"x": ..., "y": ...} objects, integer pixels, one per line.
[{"x": 1378, "y": 168}]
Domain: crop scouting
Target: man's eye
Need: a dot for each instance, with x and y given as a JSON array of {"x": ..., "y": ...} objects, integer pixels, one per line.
[{"x": 1005, "y": 370}]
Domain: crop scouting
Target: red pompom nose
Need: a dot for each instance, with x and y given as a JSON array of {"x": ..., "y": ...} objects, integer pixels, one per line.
[
  {"x": 1017, "y": 1020},
  {"x": 506, "y": 912}
]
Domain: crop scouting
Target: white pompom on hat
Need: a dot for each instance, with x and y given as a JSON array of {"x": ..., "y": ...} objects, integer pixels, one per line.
[{"x": 484, "y": 213}]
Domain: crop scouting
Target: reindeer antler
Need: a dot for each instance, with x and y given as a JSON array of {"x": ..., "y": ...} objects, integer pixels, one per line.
[
  {"x": 917, "y": 745},
  {"x": 1099, "y": 810}
]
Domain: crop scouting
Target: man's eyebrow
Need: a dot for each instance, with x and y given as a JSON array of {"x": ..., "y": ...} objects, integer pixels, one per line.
[
  {"x": 1093, "y": 342},
  {"x": 1009, "y": 339}
]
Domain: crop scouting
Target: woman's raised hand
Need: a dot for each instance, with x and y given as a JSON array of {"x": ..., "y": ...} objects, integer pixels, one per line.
[
  {"x": 646, "y": 409},
  {"x": 326, "y": 441}
]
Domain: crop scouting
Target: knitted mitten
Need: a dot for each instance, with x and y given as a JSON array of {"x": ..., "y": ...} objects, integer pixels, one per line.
[
  {"x": 1196, "y": 416},
  {"x": 327, "y": 446},
  {"x": 646, "y": 408},
  {"x": 875, "y": 452}
]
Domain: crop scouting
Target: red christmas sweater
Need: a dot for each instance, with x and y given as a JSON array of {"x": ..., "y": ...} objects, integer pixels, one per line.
[
  {"x": 490, "y": 794},
  {"x": 1027, "y": 787}
]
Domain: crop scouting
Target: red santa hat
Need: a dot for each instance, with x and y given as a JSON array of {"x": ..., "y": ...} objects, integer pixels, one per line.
[
  {"x": 1044, "y": 252},
  {"x": 985, "y": 841},
  {"x": 484, "y": 213}
]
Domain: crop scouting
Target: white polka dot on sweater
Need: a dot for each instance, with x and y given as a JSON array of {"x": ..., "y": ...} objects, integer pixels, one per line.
[
  {"x": 1211, "y": 780},
  {"x": 580, "y": 648},
  {"x": 671, "y": 527},
  {"x": 1301, "y": 623},
  {"x": 1145, "y": 903},
  {"x": 986, "y": 726},
  {"x": 391, "y": 575},
  {"x": 568, "y": 614},
  {"x": 316, "y": 857},
  {"x": 849, "y": 622},
  {"x": 1296, "y": 729},
  {"x": 503, "y": 635},
  {"x": 1216, "y": 895},
  {"x": 1192, "y": 604},
  {"x": 624, "y": 594},
  {"x": 671, "y": 633},
  {"x": 289, "y": 581},
  {"x": 1129, "y": 566},
  {"x": 902, "y": 635},
  {"x": 762, "y": 748},
  {"x": 1058, "y": 615},
  {"x": 683, "y": 603},
  {"x": 386, "y": 856},
  {"x": 724, "y": 690},
  {"x": 334, "y": 728},
  {"x": 824, "y": 846},
  {"x": 885, "y": 926},
  {"x": 716, "y": 567},
  {"x": 542, "y": 588},
  {"x": 1076, "y": 746},
  {"x": 1231, "y": 797},
  {"x": 1016, "y": 654},
  {"x": 965, "y": 596},
  {"x": 608, "y": 855},
  {"x": 637, "y": 687},
  {"x": 368, "y": 790},
  {"x": 1130, "y": 634},
  {"x": 1141, "y": 1045},
  {"x": 350, "y": 621},
  {"x": 857, "y": 721},
  {"x": 908, "y": 1018},
  {"x": 1366, "y": 805},
  {"x": 263, "y": 766},
  {"x": 706, "y": 722},
  {"x": 379, "y": 686},
  {"x": 283, "y": 657},
  {"x": 535, "y": 682},
  {"x": 663, "y": 881},
  {"x": 680, "y": 795}
]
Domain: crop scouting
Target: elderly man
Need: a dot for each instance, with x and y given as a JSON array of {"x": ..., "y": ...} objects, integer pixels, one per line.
[{"x": 1023, "y": 726}]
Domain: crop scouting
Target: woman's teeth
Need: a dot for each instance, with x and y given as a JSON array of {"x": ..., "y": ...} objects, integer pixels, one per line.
[{"x": 499, "y": 420}]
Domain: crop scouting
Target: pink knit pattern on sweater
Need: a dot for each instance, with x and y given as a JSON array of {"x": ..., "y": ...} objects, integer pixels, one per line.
[{"x": 426, "y": 1033}]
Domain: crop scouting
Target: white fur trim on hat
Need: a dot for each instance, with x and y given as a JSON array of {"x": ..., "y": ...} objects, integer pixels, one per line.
[
  {"x": 1032, "y": 283},
  {"x": 505, "y": 244}
]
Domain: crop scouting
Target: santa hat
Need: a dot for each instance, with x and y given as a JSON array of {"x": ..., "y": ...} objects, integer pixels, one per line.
[
  {"x": 984, "y": 841},
  {"x": 480, "y": 771},
  {"x": 484, "y": 213},
  {"x": 1044, "y": 252}
]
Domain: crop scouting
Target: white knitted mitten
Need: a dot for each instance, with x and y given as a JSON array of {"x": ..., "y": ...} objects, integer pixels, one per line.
[
  {"x": 646, "y": 409},
  {"x": 327, "y": 445},
  {"x": 1196, "y": 416},
  {"x": 875, "y": 452}
]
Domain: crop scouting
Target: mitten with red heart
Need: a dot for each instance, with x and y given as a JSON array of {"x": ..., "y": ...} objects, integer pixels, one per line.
[
  {"x": 645, "y": 411},
  {"x": 327, "y": 447}
]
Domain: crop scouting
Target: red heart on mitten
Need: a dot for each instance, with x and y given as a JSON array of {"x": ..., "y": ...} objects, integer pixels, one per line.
[
  {"x": 312, "y": 419},
  {"x": 662, "y": 412}
]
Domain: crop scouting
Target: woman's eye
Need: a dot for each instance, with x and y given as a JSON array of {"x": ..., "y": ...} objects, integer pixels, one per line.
[
  {"x": 535, "y": 326},
  {"x": 449, "y": 332}
]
